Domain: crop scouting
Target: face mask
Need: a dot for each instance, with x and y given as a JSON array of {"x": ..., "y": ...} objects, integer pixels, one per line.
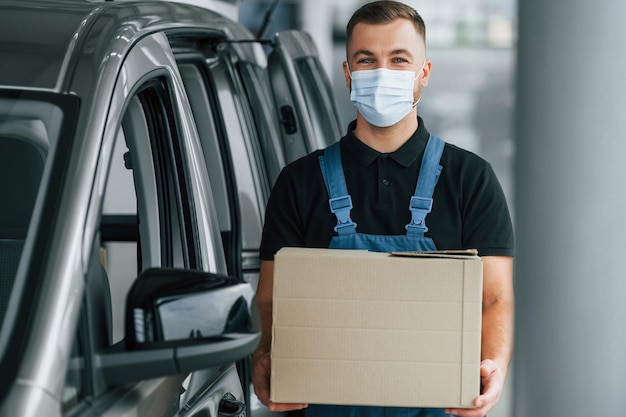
[{"x": 383, "y": 96}]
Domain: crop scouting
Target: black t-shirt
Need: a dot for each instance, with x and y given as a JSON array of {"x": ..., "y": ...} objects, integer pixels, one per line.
[{"x": 469, "y": 208}]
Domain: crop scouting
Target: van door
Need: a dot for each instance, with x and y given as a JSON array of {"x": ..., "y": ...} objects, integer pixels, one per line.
[
  {"x": 229, "y": 98},
  {"x": 156, "y": 212},
  {"x": 303, "y": 95}
]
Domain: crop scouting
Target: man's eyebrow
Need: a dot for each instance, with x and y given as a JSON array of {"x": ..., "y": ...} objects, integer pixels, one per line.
[
  {"x": 365, "y": 52},
  {"x": 401, "y": 51},
  {"x": 362, "y": 52}
]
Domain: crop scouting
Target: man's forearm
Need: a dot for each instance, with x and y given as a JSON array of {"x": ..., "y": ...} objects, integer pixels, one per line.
[
  {"x": 264, "y": 302},
  {"x": 498, "y": 311},
  {"x": 497, "y": 333}
]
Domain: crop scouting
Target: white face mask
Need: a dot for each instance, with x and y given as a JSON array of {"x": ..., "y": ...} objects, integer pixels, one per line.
[{"x": 383, "y": 96}]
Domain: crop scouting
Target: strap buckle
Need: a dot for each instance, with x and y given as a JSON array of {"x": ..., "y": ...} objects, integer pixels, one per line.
[
  {"x": 340, "y": 207},
  {"x": 420, "y": 207}
]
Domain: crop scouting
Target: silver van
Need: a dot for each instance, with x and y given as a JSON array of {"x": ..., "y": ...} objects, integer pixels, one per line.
[{"x": 138, "y": 145}]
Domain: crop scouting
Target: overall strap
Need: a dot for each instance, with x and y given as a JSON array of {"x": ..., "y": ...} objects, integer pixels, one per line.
[
  {"x": 340, "y": 201},
  {"x": 422, "y": 201}
]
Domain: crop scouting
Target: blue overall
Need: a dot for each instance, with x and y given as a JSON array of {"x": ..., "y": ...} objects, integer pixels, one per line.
[{"x": 348, "y": 238}]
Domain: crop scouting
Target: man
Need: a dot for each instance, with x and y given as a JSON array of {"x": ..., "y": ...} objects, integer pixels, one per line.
[{"x": 381, "y": 158}]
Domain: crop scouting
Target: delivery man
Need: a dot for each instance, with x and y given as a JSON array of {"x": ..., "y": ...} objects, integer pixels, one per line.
[{"x": 390, "y": 185}]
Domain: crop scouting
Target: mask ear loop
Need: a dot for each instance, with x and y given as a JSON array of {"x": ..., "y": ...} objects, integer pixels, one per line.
[{"x": 416, "y": 77}]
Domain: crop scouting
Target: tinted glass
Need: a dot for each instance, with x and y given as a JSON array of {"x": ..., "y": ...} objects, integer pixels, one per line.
[
  {"x": 35, "y": 131},
  {"x": 321, "y": 108}
]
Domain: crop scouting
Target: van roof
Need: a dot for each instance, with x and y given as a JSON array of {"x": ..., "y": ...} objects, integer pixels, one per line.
[{"x": 43, "y": 48}]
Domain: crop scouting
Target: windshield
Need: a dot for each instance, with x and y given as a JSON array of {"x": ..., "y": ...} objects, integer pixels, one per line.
[{"x": 32, "y": 127}]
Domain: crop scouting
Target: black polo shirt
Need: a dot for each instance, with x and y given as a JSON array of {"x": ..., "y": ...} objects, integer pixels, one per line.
[{"x": 469, "y": 207}]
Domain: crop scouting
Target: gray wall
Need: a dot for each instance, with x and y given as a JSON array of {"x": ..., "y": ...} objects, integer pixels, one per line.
[{"x": 571, "y": 209}]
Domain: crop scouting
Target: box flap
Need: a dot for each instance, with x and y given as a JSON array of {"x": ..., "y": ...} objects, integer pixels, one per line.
[{"x": 450, "y": 254}]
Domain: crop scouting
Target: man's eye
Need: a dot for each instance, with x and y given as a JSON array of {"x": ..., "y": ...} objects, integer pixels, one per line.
[
  {"x": 399, "y": 60},
  {"x": 365, "y": 61}
]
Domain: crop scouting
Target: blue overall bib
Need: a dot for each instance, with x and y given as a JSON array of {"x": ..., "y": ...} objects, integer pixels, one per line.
[{"x": 348, "y": 238}]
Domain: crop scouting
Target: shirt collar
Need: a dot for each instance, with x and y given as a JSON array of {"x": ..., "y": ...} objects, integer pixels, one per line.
[{"x": 405, "y": 155}]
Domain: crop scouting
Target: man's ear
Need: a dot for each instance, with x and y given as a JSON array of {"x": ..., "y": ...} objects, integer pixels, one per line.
[
  {"x": 346, "y": 73},
  {"x": 426, "y": 73}
]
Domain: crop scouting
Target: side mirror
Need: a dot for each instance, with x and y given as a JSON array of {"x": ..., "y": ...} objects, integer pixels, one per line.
[
  {"x": 168, "y": 307},
  {"x": 178, "y": 321}
]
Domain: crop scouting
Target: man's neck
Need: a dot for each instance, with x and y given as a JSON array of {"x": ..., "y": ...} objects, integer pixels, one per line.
[{"x": 386, "y": 139}]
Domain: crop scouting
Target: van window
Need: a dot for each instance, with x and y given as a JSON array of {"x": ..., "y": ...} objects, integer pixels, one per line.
[
  {"x": 33, "y": 126},
  {"x": 233, "y": 155},
  {"x": 147, "y": 208},
  {"x": 217, "y": 156},
  {"x": 256, "y": 84},
  {"x": 321, "y": 106}
]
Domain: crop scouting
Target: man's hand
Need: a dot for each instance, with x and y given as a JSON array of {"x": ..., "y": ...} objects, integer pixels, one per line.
[
  {"x": 261, "y": 371},
  {"x": 492, "y": 381},
  {"x": 497, "y": 334}
]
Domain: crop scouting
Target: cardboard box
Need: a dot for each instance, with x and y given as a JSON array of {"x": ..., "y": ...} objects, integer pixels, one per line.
[{"x": 362, "y": 328}]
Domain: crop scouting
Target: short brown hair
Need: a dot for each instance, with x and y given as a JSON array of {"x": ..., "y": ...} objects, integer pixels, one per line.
[{"x": 382, "y": 12}]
